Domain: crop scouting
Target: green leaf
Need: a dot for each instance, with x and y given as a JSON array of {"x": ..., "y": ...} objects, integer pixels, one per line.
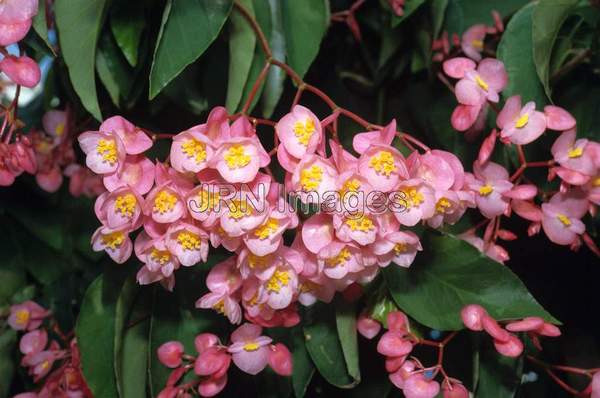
[
  {"x": 438, "y": 12},
  {"x": 40, "y": 26},
  {"x": 450, "y": 274},
  {"x": 498, "y": 376},
  {"x": 548, "y": 17},
  {"x": 345, "y": 319},
  {"x": 324, "y": 346},
  {"x": 462, "y": 14},
  {"x": 305, "y": 23},
  {"x": 8, "y": 340},
  {"x": 516, "y": 51},
  {"x": 113, "y": 69},
  {"x": 127, "y": 21},
  {"x": 95, "y": 331},
  {"x": 188, "y": 28},
  {"x": 78, "y": 23},
  {"x": 303, "y": 366},
  {"x": 410, "y": 7},
  {"x": 276, "y": 76},
  {"x": 242, "y": 42}
]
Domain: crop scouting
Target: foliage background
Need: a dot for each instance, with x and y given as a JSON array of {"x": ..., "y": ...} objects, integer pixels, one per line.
[{"x": 164, "y": 64}]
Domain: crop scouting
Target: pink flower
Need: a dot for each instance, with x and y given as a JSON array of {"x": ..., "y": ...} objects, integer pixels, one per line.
[
  {"x": 120, "y": 209},
  {"x": 490, "y": 182},
  {"x": 22, "y": 70},
  {"x": 26, "y": 316},
  {"x": 268, "y": 236},
  {"x": 574, "y": 154},
  {"x": 169, "y": 354},
  {"x": 134, "y": 139},
  {"x": 513, "y": 347},
  {"x": 472, "y": 41},
  {"x": 418, "y": 386},
  {"x": 33, "y": 342},
  {"x": 212, "y": 361},
  {"x": 250, "y": 350},
  {"x": 299, "y": 132},
  {"x": 383, "y": 167},
  {"x": 415, "y": 200},
  {"x": 317, "y": 232},
  {"x": 280, "y": 360},
  {"x": 105, "y": 152},
  {"x": 136, "y": 172},
  {"x": 338, "y": 259},
  {"x": 188, "y": 243},
  {"x": 400, "y": 369},
  {"x": 393, "y": 344},
  {"x": 223, "y": 281},
  {"x": 17, "y": 10},
  {"x": 465, "y": 116},
  {"x": 362, "y": 141},
  {"x": 313, "y": 177},
  {"x": 115, "y": 242},
  {"x": 520, "y": 125},
  {"x": 558, "y": 119},
  {"x": 367, "y": 327},
  {"x": 211, "y": 386},
  {"x": 55, "y": 124},
  {"x": 50, "y": 180},
  {"x": 191, "y": 151},
  {"x": 561, "y": 217},
  {"x": 472, "y": 316},
  {"x": 482, "y": 84},
  {"x": 165, "y": 204},
  {"x": 400, "y": 247}
]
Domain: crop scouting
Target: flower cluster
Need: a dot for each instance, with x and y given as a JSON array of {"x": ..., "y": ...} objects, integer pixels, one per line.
[
  {"x": 40, "y": 354},
  {"x": 249, "y": 350}
]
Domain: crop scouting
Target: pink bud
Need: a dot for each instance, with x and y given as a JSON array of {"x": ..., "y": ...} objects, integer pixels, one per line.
[
  {"x": 457, "y": 67},
  {"x": 280, "y": 360},
  {"x": 26, "y": 157},
  {"x": 505, "y": 234},
  {"x": 472, "y": 316},
  {"x": 212, "y": 386},
  {"x": 51, "y": 180},
  {"x": 175, "y": 375},
  {"x": 367, "y": 327},
  {"x": 399, "y": 376},
  {"x": 498, "y": 21},
  {"x": 168, "y": 392},
  {"x": 512, "y": 347},
  {"x": 558, "y": 119},
  {"x": 33, "y": 342},
  {"x": 211, "y": 361},
  {"x": 464, "y": 116},
  {"x": 397, "y": 321},
  {"x": 534, "y": 228},
  {"x": 204, "y": 341},
  {"x": 487, "y": 147},
  {"x": 525, "y": 325},
  {"x": 418, "y": 386},
  {"x": 392, "y": 364},
  {"x": 494, "y": 329},
  {"x": 522, "y": 192},
  {"x": 169, "y": 354},
  {"x": 23, "y": 70},
  {"x": 549, "y": 330},
  {"x": 455, "y": 390},
  {"x": 393, "y": 344}
]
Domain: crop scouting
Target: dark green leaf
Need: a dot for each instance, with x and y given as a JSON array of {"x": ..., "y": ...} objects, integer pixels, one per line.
[
  {"x": 324, "y": 347},
  {"x": 95, "y": 332},
  {"x": 450, "y": 274},
  {"x": 438, "y": 12},
  {"x": 548, "y": 17},
  {"x": 462, "y": 14},
  {"x": 242, "y": 42},
  {"x": 516, "y": 51},
  {"x": 345, "y": 319},
  {"x": 127, "y": 23},
  {"x": 188, "y": 28},
  {"x": 498, "y": 376},
  {"x": 8, "y": 340},
  {"x": 113, "y": 70},
  {"x": 305, "y": 23},
  {"x": 303, "y": 366},
  {"x": 40, "y": 26},
  {"x": 78, "y": 23},
  {"x": 276, "y": 76},
  {"x": 410, "y": 7}
]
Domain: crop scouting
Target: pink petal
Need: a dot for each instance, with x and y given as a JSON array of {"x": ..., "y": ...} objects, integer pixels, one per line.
[
  {"x": 493, "y": 73},
  {"x": 13, "y": 32},
  {"x": 558, "y": 119},
  {"x": 468, "y": 93},
  {"x": 511, "y": 110},
  {"x": 22, "y": 70},
  {"x": 464, "y": 116},
  {"x": 456, "y": 67}
]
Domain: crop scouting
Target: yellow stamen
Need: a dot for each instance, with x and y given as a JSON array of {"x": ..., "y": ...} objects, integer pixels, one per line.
[
  {"x": 351, "y": 185},
  {"x": 596, "y": 182},
  {"x": 60, "y": 129},
  {"x": 160, "y": 256},
  {"x": 400, "y": 248},
  {"x": 443, "y": 205},
  {"x": 304, "y": 130},
  {"x": 194, "y": 149},
  {"x": 267, "y": 229},
  {"x": 251, "y": 346},
  {"x": 277, "y": 281},
  {"x": 108, "y": 150},
  {"x": 188, "y": 240},
  {"x": 125, "y": 204},
  {"x": 481, "y": 83},
  {"x": 261, "y": 262},
  {"x": 412, "y": 197},
  {"x": 486, "y": 190},
  {"x": 575, "y": 152},
  {"x": 310, "y": 179},
  {"x": 22, "y": 317},
  {"x": 383, "y": 163},
  {"x": 362, "y": 223},
  {"x": 236, "y": 157},
  {"x": 113, "y": 239},
  {"x": 239, "y": 209},
  {"x": 219, "y": 307},
  {"x": 478, "y": 44},
  {"x": 340, "y": 259},
  {"x": 564, "y": 220},
  {"x": 308, "y": 286},
  {"x": 522, "y": 121},
  {"x": 164, "y": 202}
]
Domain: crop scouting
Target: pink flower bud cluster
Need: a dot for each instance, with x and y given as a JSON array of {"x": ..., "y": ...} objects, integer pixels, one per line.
[
  {"x": 249, "y": 350},
  {"x": 476, "y": 318},
  {"x": 40, "y": 355},
  {"x": 15, "y": 21}
]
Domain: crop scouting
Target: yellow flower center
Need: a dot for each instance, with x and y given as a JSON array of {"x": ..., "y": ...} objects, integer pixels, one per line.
[
  {"x": 522, "y": 121},
  {"x": 303, "y": 131},
  {"x": 351, "y": 185},
  {"x": 194, "y": 149},
  {"x": 108, "y": 150},
  {"x": 45, "y": 365},
  {"x": 310, "y": 179},
  {"x": 564, "y": 220},
  {"x": 22, "y": 317},
  {"x": 239, "y": 209},
  {"x": 596, "y": 182},
  {"x": 481, "y": 83},
  {"x": 400, "y": 248},
  {"x": 478, "y": 44},
  {"x": 267, "y": 229},
  {"x": 443, "y": 205},
  {"x": 60, "y": 129},
  {"x": 113, "y": 239},
  {"x": 188, "y": 240},
  {"x": 362, "y": 223},
  {"x": 308, "y": 286},
  {"x": 340, "y": 259},
  {"x": 486, "y": 190},
  {"x": 219, "y": 307},
  {"x": 575, "y": 152},
  {"x": 383, "y": 163},
  {"x": 125, "y": 204},
  {"x": 277, "y": 281},
  {"x": 261, "y": 262},
  {"x": 413, "y": 197},
  {"x": 251, "y": 346},
  {"x": 236, "y": 157},
  {"x": 164, "y": 202},
  {"x": 160, "y": 256}
]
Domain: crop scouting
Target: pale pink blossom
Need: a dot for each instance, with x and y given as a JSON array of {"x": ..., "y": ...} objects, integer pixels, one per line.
[
  {"x": 520, "y": 125},
  {"x": 169, "y": 354},
  {"x": 562, "y": 215},
  {"x": 115, "y": 242},
  {"x": 472, "y": 41},
  {"x": 299, "y": 132},
  {"x": 249, "y": 350}
]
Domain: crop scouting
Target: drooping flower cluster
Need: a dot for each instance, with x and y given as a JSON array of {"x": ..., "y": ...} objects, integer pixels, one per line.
[
  {"x": 56, "y": 362},
  {"x": 249, "y": 350}
]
